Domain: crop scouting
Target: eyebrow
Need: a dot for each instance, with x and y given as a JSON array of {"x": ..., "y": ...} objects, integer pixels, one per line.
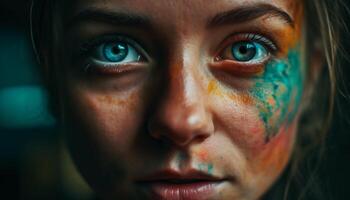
[
  {"x": 248, "y": 13},
  {"x": 113, "y": 17}
]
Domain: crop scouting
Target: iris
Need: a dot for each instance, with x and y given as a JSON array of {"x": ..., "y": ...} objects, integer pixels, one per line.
[
  {"x": 115, "y": 52},
  {"x": 248, "y": 51}
]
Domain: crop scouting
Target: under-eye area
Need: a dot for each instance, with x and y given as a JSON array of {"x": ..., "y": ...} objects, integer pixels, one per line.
[{"x": 244, "y": 54}]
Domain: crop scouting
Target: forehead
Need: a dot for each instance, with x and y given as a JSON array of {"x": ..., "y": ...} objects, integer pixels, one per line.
[{"x": 164, "y": 10}]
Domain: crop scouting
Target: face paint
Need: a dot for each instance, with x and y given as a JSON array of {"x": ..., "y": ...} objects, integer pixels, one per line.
[
  {"x": 207, "y": 168},
  {"x": 279, "y": 91},
  {"x": 203, "y": 155},
  {"x": 214, "y": 88}
]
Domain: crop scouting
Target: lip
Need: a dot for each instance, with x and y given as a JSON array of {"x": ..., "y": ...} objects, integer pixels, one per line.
[{"x": 172, "y": 185}]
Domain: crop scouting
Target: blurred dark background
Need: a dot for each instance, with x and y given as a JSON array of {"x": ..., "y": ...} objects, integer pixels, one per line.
[{"x": 34, "y": 163}]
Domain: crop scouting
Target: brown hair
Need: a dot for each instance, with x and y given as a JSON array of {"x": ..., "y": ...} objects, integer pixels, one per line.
[{"x": 324, "y": 24}]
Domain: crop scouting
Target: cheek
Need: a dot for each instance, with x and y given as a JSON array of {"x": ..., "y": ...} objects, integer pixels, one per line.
[
  {"x": 268, "y": 161},
  {"x": 274, "y": 155},
  {"x": 106, "y": 120},
  {"x": 262, "y": 121}
]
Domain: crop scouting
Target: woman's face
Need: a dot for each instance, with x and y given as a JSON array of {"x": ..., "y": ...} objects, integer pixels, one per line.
[{"x": 181, "y": 99}]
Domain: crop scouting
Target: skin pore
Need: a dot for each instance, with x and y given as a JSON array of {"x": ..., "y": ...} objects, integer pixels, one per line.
[{"x": 192, "y": 88}]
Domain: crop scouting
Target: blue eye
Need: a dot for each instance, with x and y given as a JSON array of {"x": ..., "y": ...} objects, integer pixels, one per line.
[
  {"x": 117, "y": 52},
  {"x": 248, "y": 51}
]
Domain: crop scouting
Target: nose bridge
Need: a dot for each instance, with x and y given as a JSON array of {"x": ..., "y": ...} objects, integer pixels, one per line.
[
  {"x": 183, "y": 103},
  {"x": 183, "y": 97},
  {"x": 182, "y": 113}
]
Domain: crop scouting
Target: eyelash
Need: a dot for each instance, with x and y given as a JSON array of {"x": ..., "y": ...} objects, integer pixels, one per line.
[
  {"x": 87, "y": 48},
  {"x": 270, "y": 45},
  {"x": 259, "y": 38},
  {"x": 91, "y": 45}
]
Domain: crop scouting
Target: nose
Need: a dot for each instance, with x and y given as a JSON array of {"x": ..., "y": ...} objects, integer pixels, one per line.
[{"x": 182, "y": 116}]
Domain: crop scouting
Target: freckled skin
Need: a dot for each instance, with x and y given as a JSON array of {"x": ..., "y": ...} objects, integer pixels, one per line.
[{"x": 181, "y": 113}]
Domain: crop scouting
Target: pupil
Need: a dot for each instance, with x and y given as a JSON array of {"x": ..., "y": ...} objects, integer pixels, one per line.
[
  {"x": 116, "y": 49},
  {"x": 243, "y": 49}
]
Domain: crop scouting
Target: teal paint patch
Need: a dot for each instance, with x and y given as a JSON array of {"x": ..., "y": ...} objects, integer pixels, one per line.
[
  {"x": 202, "y": 167},
  {"x": 279, "y": 91},
  {"x": 208, "y": 168}
]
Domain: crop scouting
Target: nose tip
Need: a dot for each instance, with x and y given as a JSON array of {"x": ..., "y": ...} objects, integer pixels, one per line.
[
  {"x": 182, "y": 115},
  {"x": 181, "y": 129}
]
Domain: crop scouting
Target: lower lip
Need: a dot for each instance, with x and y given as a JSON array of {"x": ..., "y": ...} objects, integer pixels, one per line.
[{"x": 183, "y": 191}]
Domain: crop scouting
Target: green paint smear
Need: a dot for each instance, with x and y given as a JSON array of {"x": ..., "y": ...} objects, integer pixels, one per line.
[{"x": 282, "y": 82}]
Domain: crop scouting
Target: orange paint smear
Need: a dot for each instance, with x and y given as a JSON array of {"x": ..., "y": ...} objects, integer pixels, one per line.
[
  {"x": 108, "y": 99},
  {"x": 203, "y": 155},
  {"x": 244, "y": 98},
  {"x": 291, "y": 36},
  {"x": 275, "y": 154},
  {"x": 111, "y": 100},
  {"x": 271, "y": 101}
]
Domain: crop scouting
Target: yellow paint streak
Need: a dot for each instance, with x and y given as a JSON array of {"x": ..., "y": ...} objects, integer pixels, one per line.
[{"x": 212, "y": 87}]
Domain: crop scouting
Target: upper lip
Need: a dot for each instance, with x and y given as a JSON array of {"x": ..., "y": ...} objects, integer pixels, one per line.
[{"x": 172, "y": 175}]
